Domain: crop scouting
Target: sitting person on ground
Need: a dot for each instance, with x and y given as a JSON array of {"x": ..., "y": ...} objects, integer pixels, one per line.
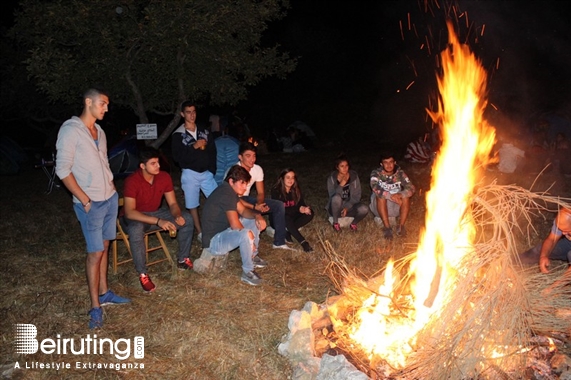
[
  {"x": 392, "y": 191},
  {"x": 227, "y": 224},
  {"x": 556, "y": 246},
  {"x": 344, "y": 191},
  {"x": 273, "y": 207},
  {"x": 297, "y": 213},
  {"x": 143, "y": 193}
]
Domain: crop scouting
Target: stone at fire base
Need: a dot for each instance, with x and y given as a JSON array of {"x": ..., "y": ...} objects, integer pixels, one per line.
[{"x": 298, "y": 347}]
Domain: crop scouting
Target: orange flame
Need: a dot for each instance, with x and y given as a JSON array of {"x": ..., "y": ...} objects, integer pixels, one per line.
[{"x": 467, "y": 142}]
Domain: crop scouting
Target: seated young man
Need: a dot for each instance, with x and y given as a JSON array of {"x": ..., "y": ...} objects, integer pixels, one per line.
[
  {"x": 227, "y": 224},
  {"x": 143, "y": 193},
  {"x": 274, "y": 207},
  {"x": 393, "y": 190}
]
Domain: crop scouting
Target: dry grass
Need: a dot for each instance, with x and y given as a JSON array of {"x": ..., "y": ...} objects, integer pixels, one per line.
[{"x": 196, "y": 327}]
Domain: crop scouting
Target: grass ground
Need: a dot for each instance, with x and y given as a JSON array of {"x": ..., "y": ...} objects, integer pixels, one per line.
[{"x": 194, "y": 326}]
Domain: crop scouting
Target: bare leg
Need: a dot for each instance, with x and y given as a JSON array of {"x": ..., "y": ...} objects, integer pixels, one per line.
[
  {"x": 404, "y": 208},
  {"x": 93, "y": 271},
  {"x": 383, "y": 211},
  {"x": 196, "y": 219}
]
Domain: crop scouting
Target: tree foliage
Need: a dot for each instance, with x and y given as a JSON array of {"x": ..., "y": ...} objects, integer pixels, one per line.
[{"x": 150, "y": 55}]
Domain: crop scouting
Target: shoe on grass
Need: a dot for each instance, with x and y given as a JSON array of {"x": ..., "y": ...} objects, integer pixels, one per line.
[
  {"x": 259, "y": 262},
  {"x": 337, "y": 227},
  {"x": 251, "y": 278},
  {"x": 146, "y": 282},
  {"x": 111, "y": 298},
  {"x": 388, "y": 233},
  {"x": 95, "y": 318},
  {"x": 185, "y": 264},
  {"x": 306, "y": 246},
  {"x": 283, "y": 246},
  {"x": 353, "y": 227}
]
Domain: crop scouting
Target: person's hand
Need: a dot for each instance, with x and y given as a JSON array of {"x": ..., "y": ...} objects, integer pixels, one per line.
[
  {"x": 305, "y": 210},
  {"x": 180, "y": 220},
  {"x": 544, "y": 264},
  {"x": 200, "y": 144},
  {"x": 343, "y": 212},
  {"x": 397, "y": 198},
  {"x": 261, "y": 223},
  {"x": 261, "y": 207},
  {"x": 165, "y": 225}
]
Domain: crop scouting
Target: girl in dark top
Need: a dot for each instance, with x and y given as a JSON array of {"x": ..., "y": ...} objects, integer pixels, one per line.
[
  {"x": 344, "y": 190},
  {"x": 297, "y": 213}
]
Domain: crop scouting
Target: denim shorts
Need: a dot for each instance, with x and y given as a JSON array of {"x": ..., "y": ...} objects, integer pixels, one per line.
[
  {"x": 192, "y": 182},
  {"x": 99, "y": 223}
]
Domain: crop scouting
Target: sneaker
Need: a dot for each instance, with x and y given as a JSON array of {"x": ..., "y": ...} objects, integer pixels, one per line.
[
  {"x": 199, "y": 237},
  {"x": 401, "y": 231},
  {"x": 353, "y": 227},
  {"x": 306, "y": 247},
  {"x": 95, "y": 318},
  {"x": 270, "y": 231},
  {"x": 251, "y": 278},
  {"x": 146, "y": 282},
  {"x": 111, "y": 298},
  {"x": 259, "y": 262},
  {"x": 337, "y": 227},
  {"x": 283, "y": 246},
  {"x": 388, "y": 233},
  {"x": 185, "y": 264}
]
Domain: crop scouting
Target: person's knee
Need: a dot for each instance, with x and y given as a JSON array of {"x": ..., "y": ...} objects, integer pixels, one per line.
[
  {"x": 336, "y": 199},
  {"x": 362, "y": 209}
]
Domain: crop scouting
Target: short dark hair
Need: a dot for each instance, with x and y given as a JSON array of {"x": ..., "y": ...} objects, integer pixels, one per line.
[
  {"x": 94, "y": 91},
  {"x": 187, "y": 103},
  {"x": 386, "y": 154},
  {"x": 146, "y": 153},
  {"x": 340, "y": 158},
  {"x": 238, "y": 173},
  {"x": 246, "y": 145}
]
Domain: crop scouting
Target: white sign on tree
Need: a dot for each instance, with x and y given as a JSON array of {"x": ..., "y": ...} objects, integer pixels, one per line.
[{"x": 147, "y": 132}]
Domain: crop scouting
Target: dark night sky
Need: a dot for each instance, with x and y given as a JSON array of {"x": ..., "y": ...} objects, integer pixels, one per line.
[{"x": 354, "y": 67}]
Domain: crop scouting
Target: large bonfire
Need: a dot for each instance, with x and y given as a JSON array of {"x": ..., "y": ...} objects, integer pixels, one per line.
[{"x": 462, "y": 308}]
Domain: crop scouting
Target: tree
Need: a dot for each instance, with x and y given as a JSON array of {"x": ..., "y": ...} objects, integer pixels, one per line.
[{"x": 151, "y": 55}]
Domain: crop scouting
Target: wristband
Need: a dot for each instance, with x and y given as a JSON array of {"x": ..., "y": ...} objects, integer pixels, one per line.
[
  {"x": 158, "y": 220},
  {"x": 86, "y": 203}
]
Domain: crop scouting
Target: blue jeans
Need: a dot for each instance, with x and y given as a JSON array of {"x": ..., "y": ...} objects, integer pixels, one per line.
[
  {"x": 229, "y": 239},
  {"x": 136, "y": 231},
  {"x": 98, "y": 224},
  {"x": 277, "y": 217},
  {"x": 561, "y": 251}
]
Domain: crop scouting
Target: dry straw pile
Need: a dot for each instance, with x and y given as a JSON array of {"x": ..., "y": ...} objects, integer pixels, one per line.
[{"x": 495, "y": 307}]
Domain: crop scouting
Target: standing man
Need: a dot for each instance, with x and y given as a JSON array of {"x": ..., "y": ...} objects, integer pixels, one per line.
[
  {"x": 392, "y": 190},
  {"x": 195, "y": 151},
  {"x": 83, "y": 168},
  {"x": 276, "y": 208},
  {"x": 556, "y": 246},
  {"x": 228, "y": 224},
  {"x": 143, "y": 193}
]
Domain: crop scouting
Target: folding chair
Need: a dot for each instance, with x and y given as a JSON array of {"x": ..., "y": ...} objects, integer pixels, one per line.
[
  {"x": 152, "y": 234},
  {"x": 49, "y": 167}
]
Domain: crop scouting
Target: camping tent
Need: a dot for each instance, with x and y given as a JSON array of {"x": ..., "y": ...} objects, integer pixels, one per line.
[
  {"x": 123, "y": 158},
  {"x": 11, "y": 156}
]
